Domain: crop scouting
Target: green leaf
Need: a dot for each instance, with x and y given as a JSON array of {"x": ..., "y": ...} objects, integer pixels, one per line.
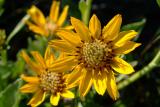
[
  {"x": 4, "y": 74},
  {"x": 137, "y": 26},
  {"x": 10, "y": 96},
  {"x": 158, "y": 2},
  {"x": 39, "y": 44},
  {"x": 82, "y": 6},
  {"x": 85, "y": 8},
  {"x": 1, "y": 6},
  {"x": 18, "y": 66}
]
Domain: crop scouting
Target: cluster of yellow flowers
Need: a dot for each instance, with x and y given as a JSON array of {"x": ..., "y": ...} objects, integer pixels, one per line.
[{"x": 89, "y": 56}]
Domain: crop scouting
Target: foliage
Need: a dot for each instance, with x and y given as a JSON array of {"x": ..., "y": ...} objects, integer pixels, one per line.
[{"x": 135, "y": 89}]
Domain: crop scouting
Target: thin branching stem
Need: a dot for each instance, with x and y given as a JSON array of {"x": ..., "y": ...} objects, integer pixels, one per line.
[
  {"x": 18, "y": 27},
  {"x": 154, "y": 63}
]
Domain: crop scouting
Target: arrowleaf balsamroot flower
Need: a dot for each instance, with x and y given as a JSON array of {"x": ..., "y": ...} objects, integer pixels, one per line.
[
  {"x": 47, "y": 26},
  {"x": 96, "y": 53},
  {"x": 46, "y": 81}
]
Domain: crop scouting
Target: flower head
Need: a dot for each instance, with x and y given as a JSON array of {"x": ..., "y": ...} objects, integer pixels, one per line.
[
  {"x": 97, "y": 53},
  {"x": 47, "y": 26},
  {"x": 46, "y": 81}
]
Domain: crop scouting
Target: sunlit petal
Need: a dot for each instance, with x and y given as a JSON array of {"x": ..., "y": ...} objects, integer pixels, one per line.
[
  {"x": 37, "y": 99},
  {"x": 95, "y": 26},
  {"x": 54, "y": 99},
  {"x": 121, "y": 66},
  {"x": 123, "y": 37},
  {"x": 81, "y": 29},
  {"x": 111, "y": 30},
  {"x": 29, "y": 88},
  {"x": 67, "y": 94},
  {"x": 111, "y": 86},
  {"x": 71, "y": 37},
  {"x": 31, "y": 64},
  {"x": 30, "y": 79},
  {"x": 61, "y": 45},
  {"x": 37, "y": 29},
  {"x": 37, "y": 16},
  {"x": 63, "y": 16},
  {"x": 126, "y": 48},
  {"x": 54, "y": 11},
  {"x": 85, "y": 83},
  {"x": 99, "y": 81},
  {"x": 62, "y": 65},
  {"x": 39, "y": 59},
  {"x": 74, "y": 77}
]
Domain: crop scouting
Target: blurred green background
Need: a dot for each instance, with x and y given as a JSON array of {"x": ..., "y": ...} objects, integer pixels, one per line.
[{"x": 140, "y": 15}]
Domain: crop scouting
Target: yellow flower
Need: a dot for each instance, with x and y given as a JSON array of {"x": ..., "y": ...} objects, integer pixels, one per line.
[
  {"x": 47, "y": 26},
  {"x": 96, "y": 53},
  {"x": 46, "y": 81}
]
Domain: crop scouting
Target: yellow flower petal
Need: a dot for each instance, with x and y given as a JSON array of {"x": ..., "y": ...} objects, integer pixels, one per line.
[
  {"x": 31, "y": 64},
  {"x": 81, "y": 29},
  {"x": 29, "y": 88},
  {"x": 49, "y": 56},
  {"x": 62, "y": 56},
  {"x": 37, "y": 16},
  {"x": 95, "y": 26},
  {"x": 85, "y": 83},
  {"x": 54, "y": 99},
  {"x": 111, "y": 30},
  {"x": 123, "y": 37},
  {"x": 67, "y": 94},
  {"x": 62, "y": 65},
  {"x": 74, "y": 77},
  {"x": 111, "y": 86},
  {"x": 54, "y": 11},
  {"x": 99, "y": 81},
  {"x": 37, "y": 29},
  {"x": 69, "y": 27},
  {"x": 37, "y": 99},
  {"x": 121, "y": 66},
  {"x": 39, "y": 59},
  {"x": 63, "y": 16},
  {"x": 71, "y": 37},
  {"x": 30, "y": 79},
  {"x": 126, "y": 48},
  {"x": 61, "y": 45}
]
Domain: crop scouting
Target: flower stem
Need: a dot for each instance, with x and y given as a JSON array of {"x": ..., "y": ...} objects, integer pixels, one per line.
[
  {"x": 18, "y": 27},
  {"x": 154, "y": 63},
  {"x": 4, "y": 57},
  {"x": 86, "y": 15}
]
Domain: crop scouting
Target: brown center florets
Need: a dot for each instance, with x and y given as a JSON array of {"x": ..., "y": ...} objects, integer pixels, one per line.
[
  {"x": 52, "y": 82},
  {"x": 96, "y": 54}
]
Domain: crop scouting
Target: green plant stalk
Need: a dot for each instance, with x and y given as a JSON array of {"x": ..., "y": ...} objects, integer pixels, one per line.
[
  {"x": 154, "y": 63},
  {"x": 4, "y": 57},
  {"x": 86, "y": 15},
  {"x": 18, "y": 27}
]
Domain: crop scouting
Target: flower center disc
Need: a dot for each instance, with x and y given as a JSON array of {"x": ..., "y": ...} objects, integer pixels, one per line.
[
  {"x": 50, "y": 27},
  {"x": 93, "y": 53},
  {"x": 52, "y": 82}
]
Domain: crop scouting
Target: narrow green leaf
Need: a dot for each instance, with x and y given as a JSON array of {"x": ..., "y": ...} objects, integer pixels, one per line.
[
  {"x": 158, "y": 2},
  {"x": 137, "y": 26},
  {"x": 4, "y": 74},
  {"x": 85, "y": 8},
  {"x": 10, "y": 96}
]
